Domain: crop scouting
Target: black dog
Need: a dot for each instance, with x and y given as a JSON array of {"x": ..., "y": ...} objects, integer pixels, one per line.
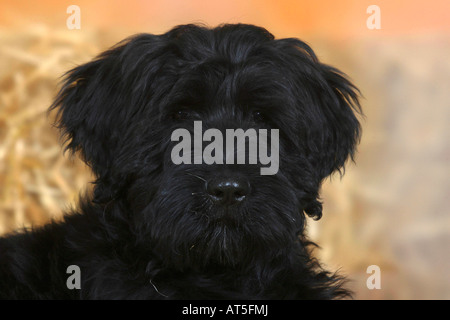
[{"x": 153, "y": 229}]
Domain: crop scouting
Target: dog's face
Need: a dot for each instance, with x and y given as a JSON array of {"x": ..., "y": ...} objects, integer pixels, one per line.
[{"x": 121, "y": 110}]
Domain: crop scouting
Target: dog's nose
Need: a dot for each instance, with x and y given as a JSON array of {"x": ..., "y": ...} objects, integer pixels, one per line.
[{"x": 228, "y": 191}]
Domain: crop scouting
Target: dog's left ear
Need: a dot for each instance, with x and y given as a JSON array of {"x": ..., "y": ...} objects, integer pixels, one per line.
[
  {"x": 333, "y": 130},
  {"x": 328, "y": 104},
  {"x": 339, "y": 130}
]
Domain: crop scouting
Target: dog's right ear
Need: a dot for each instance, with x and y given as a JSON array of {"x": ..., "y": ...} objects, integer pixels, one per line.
[
  {"x": 85, "y": 107},
  {"x": 99, "y": 100}
]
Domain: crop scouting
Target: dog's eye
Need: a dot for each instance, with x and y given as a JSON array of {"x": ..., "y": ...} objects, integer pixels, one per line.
[
  {"x": 181, "y": 115},
  {"x": 258, "y": 116}
]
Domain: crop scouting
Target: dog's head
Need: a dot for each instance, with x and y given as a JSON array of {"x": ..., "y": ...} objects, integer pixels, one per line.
[{"x": 120, "y": 112}]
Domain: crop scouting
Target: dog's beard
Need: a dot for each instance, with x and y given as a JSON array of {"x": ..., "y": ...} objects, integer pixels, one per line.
[{"x": 187, "y": 229}]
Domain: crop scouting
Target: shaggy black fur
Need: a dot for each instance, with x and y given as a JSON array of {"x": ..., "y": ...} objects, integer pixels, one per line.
[{"x": 151, "y": 230}]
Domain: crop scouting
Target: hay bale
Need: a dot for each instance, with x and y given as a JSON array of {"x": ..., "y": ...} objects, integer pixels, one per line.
[{"x": 37, "y": 181}]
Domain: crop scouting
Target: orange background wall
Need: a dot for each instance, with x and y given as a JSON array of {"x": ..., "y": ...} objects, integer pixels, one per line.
[{"x": 337, "y": 19}]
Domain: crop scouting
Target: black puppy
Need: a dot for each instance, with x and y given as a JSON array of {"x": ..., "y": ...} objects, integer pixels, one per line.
[{"x": 154, "y": 229}]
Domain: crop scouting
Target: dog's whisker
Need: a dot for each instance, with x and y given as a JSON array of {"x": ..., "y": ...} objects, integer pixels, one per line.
[
  {"x": 289, "y": 217},
  {"x": 156, "y": 289},
  {"x": 194, "y": 175}
]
